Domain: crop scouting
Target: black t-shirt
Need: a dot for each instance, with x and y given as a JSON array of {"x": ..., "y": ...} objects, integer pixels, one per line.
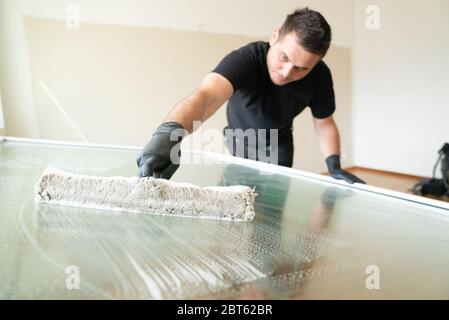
[{"x": 258, "y": 103}]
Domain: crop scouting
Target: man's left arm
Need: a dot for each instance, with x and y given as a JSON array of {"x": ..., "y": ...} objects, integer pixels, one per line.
[{"x": 329, "y": 140}]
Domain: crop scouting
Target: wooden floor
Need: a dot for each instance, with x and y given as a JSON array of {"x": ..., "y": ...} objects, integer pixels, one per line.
[{"x": 390, "y": 180}]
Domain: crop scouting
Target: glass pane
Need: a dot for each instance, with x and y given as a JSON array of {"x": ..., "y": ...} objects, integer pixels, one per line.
[{"x": 310, "y": 239}]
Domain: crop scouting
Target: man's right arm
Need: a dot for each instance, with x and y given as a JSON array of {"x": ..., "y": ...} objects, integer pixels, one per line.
[
  {"x": 213, "y": 92},
  {"x": 155, "y": 159}
]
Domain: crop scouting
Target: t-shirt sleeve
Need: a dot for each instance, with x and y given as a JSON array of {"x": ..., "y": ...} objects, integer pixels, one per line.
[
  {"x": 238, "y": 68},
  {"x": 322, "y": 103}
]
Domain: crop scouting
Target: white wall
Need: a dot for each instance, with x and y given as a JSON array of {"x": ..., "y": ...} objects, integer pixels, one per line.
[
  {"x": 401, "y": 85},
  {"x": 253, "y": 18},
  {"x": 2, "y": 121},
  {"x": 397, "y": 74},
  {"x": 15, "y": 77}
]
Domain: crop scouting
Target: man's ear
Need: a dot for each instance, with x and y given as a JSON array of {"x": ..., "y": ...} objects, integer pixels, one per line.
[{"x": 274, "y": 36}]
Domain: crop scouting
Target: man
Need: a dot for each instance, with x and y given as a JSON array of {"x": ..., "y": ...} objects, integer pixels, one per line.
[{"x": 267, "y": 85}]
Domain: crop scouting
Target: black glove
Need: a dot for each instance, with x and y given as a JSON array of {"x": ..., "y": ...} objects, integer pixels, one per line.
[
  {"x": 158, "y": 158},
  {"x": 336, "y": 172}
]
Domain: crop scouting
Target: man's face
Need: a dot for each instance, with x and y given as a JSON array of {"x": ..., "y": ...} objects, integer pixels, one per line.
[{"x": 287, "y": 61}]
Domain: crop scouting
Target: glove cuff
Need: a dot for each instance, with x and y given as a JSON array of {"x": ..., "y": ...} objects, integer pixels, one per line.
[
  {"x": 169, "y": 127},
  {"x": 333, "y": 162}
]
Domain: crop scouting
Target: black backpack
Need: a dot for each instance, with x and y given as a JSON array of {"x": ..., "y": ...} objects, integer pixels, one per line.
[{"x": 434, "y": 186}]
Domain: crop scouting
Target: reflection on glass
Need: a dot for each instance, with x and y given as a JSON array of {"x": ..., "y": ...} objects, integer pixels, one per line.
[{"x": 309, "y": 239}]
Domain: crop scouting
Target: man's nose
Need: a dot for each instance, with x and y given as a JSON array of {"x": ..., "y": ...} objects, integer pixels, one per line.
[{"x": 286, "y": 70}]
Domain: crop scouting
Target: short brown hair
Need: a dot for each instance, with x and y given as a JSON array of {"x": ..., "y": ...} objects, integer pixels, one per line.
[{"x": 311, "y": 28}]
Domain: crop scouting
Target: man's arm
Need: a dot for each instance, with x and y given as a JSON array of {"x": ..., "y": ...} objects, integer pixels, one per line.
[
  {"x": 213, "y": 92},
  {"x": 160, "y": 156},
  {"x": 329, "y": 140},
  {"x": 328, "y": 137}
]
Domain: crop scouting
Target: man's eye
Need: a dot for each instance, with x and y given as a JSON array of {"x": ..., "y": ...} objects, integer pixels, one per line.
[{"x": 284, "y": 58}]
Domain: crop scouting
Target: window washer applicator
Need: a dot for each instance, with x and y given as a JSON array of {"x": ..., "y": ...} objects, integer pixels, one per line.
[{"x": 146, "y": 195}]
